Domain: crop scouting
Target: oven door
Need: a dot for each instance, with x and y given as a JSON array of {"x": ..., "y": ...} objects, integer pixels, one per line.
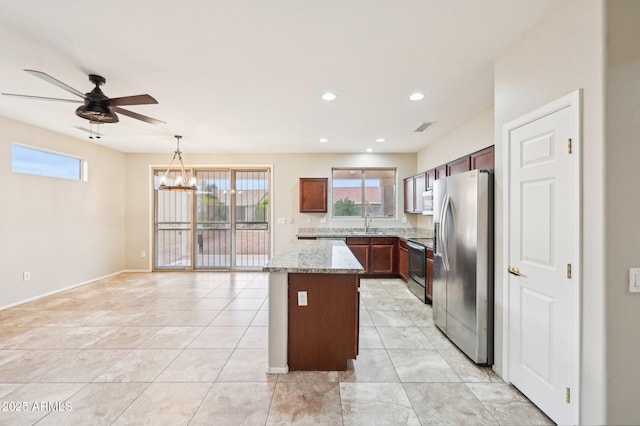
[{"x": 417, "y": 270}]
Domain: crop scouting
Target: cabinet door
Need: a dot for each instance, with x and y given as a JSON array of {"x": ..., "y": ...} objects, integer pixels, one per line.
[
  {"x": 441, "y": 171},
  {"x": 431, "y": 177},
  {"x": 361, "y": 252},
  {"x": 383, "y": 256},
  {"x": 458, "y": 166},
  {"x": 403, "y": 260},
  {"x": 429, "y": 256},
  {"x": 409, "y": 195},
  {"x": 313, "y": 195},
  {"x": 419, "y": 186},
  {"x": 483, "y": 159}
]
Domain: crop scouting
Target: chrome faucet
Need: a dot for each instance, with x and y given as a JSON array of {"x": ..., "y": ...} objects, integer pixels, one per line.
[{"x": 367, "y": 223}]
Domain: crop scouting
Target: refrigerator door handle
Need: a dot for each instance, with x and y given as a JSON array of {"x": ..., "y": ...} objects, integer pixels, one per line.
[{"x": 443, "y": 227}]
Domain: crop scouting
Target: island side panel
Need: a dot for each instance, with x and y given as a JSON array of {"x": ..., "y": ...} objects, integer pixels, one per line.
[
  {"x": 324, "y": 334},
  {"x": 277, "y": 353}
]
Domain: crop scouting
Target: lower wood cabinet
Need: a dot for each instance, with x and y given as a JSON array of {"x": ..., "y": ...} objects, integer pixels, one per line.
[
  {"x": 376, "y": 254},
  {"x": 403, "y": 259},
  {"x": 324, "y": 334},
  {"x": 430, "y": 274}
]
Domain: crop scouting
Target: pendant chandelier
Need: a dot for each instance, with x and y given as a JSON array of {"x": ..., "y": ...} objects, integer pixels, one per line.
[{"x": 180, "y": 183}]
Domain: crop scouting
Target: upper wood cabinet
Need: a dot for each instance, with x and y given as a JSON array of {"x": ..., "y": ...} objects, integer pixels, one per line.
[
  {"x": 483, "y": 159},
  {"x": 414, "y": 186},
  {"x": 313, "y": 195},
  {"x": 441, "y": 171},
  {"x": 460, "y": 165},
  {"x": 430, "y": 177}
]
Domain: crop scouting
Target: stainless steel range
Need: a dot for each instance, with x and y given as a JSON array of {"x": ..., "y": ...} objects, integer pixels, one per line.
[{"x": 417, "y": 280}]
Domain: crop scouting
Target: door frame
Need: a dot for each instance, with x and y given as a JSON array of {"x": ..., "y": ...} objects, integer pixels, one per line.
[
  {"x": 151, "y": 202},
  {"x": 571, "y": 100}
]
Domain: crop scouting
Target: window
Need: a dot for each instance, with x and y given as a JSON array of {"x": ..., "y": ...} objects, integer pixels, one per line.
[
  {"x": 358, "y": 192},
  {"x": 35, "y": 161}
]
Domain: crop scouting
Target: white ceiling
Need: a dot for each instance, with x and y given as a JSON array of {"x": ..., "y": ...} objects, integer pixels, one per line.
[{"x": 246, "y": 76}]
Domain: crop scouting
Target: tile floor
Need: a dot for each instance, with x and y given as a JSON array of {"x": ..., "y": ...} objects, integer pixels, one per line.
[{"x": 190, "y": 348}]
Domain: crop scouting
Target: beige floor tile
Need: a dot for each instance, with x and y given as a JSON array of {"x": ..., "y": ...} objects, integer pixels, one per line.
[
  {"x": 403, "y": 338},
  {"x": 196, "y": 365},
  {"x": 245, "y": 304},
  {"x": 305, "y": 403},
  {"x": 235, "y": 404},
  {"x": 218, "y": 337},
  {"x": 466, "y": 369},
  {"x": 96, "y": 404},
  {"x": 254, "y": 293},
  {"x": 370, "y": 339},
  {"x": 261, "y": 319},
  {"x": 139, "y": 365},
  {"x": 171, "y": 338},
  {"x": 165, "y": 404},
  {"x": 23, "y": 366},
  {"x": 125, "y": 338},
  {"x": 390, "y": 319},
  {"x": 422, "y": 365},
  {"x": 309, "y": 376},
  {"x": 80, "y": 365},
  {"x": 212, "y": 303},
  {"x": 437, "y": 338},
  {"x": 507, "y": 405},
  {"x": 191, "y": 318},
  {"x": 255, "y": 338},
  {"x": 372, "y": 365},
  {"x": 246, "y": 365},
  {"x": 447, "y": 404},
  {"x": 233, "y": 318},
  {"x": 376, "y": 404}
]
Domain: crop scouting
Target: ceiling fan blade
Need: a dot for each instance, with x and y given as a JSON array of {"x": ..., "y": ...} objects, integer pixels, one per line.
[
  {"x": 42, "y": 98},
  {"x": 133, "y": 100},
  {"x": 47, "y": 77},
  {"x": 137, "y": 116}
]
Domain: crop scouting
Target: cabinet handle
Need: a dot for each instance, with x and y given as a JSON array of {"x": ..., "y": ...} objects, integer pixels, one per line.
[{"x": 515, "y": 271}]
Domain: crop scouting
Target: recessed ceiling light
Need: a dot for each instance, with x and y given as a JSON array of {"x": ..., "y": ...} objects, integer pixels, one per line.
[
  {"x": 369, "y": 149},
  {"x": 323, "y": 140},
  {"x": 381, "y": 140},
  {"x": 329, "y": 96},
  {"x": 416, "y": 96}
]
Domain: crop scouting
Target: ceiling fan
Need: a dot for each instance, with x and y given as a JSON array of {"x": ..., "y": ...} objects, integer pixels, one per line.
[{"x": 97, "y": 107}]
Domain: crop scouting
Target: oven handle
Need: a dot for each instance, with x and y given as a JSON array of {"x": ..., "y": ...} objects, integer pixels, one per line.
[{"x": 416, "y": 246}]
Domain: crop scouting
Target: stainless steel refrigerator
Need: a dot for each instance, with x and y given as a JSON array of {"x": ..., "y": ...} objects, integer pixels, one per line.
[{"x": 463, "y": 262}]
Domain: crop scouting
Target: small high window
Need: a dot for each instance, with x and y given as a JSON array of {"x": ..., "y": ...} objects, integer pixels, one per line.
[
  {"x": 365, "y": 191},
  {"x": 36, "y": 161}
]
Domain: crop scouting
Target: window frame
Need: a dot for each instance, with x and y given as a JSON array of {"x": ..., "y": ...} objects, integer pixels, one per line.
[
  {"x": 83, "y": 167},
  {"x": 363, "y": 171}
]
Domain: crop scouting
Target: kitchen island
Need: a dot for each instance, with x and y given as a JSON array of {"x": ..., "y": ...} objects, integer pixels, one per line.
[{"x": 313, "y": 306}]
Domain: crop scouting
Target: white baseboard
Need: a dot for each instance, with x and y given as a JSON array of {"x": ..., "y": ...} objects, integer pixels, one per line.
[{"x": 277, "y": 370}]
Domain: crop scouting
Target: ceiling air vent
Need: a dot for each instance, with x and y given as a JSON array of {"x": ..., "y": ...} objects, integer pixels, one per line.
[{"x": 424, "y": 126}]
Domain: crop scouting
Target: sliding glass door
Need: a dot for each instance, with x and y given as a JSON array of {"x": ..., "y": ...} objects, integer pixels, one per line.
[{"x": 223, "y": 225}]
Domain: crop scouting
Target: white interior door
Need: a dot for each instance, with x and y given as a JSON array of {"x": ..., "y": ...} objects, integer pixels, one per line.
[{"x": 543, "y": 257}]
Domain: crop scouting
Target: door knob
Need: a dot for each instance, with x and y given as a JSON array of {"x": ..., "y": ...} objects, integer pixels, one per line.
[{"x": 515, "y": 271}]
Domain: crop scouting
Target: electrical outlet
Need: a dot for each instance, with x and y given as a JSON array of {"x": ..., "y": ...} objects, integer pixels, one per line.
[
  {"x": 143, "y": 254},
  {"x": 302, "y": 298},
  {"x": 26, "y": 276},
  {"x": 282, "y": 221},
  {"x": 634, "y": 280}
]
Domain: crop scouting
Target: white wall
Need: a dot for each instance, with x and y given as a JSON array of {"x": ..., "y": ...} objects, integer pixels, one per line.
[
  {"x": 622, "y": 244},
  {"x": 562, "y": 53},
  {"x": 65, "y": 232},
  {"x": 287, "y": 169}
]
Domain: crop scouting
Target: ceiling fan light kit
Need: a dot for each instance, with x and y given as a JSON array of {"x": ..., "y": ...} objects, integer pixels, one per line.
[
  {"x": 180, "y": 183},
  {"x": 97, "y": 108}
]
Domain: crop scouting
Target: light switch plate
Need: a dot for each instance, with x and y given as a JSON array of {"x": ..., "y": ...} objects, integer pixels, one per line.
[
  {"x": 634, "y": 280},
  {"x": 302, "y": 298}
]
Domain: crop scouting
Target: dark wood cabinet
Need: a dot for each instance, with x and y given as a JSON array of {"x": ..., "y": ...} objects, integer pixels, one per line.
[
  {"x": 359, "y": 246},
  {"x": 419, "y": 186},
  {"x": 483, "y": 159},
  {"x": 403, "y": 259},
  {"x": 383, "y": 254},
  {"x": 429, "y": 274},
  {"x": 460, "y": 165},
  {"x": 441, "y": 171},
  {"x": 430, "y": 178},
  {"x": 324, "y": 334},
  {"x": 313, "y": 195},
  {"x": 377, "y": 255}
]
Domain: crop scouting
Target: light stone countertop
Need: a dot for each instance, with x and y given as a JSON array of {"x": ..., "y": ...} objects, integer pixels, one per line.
[
  {"x": 405, "y": 233},
  {"x": 315, "y": 256}
]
